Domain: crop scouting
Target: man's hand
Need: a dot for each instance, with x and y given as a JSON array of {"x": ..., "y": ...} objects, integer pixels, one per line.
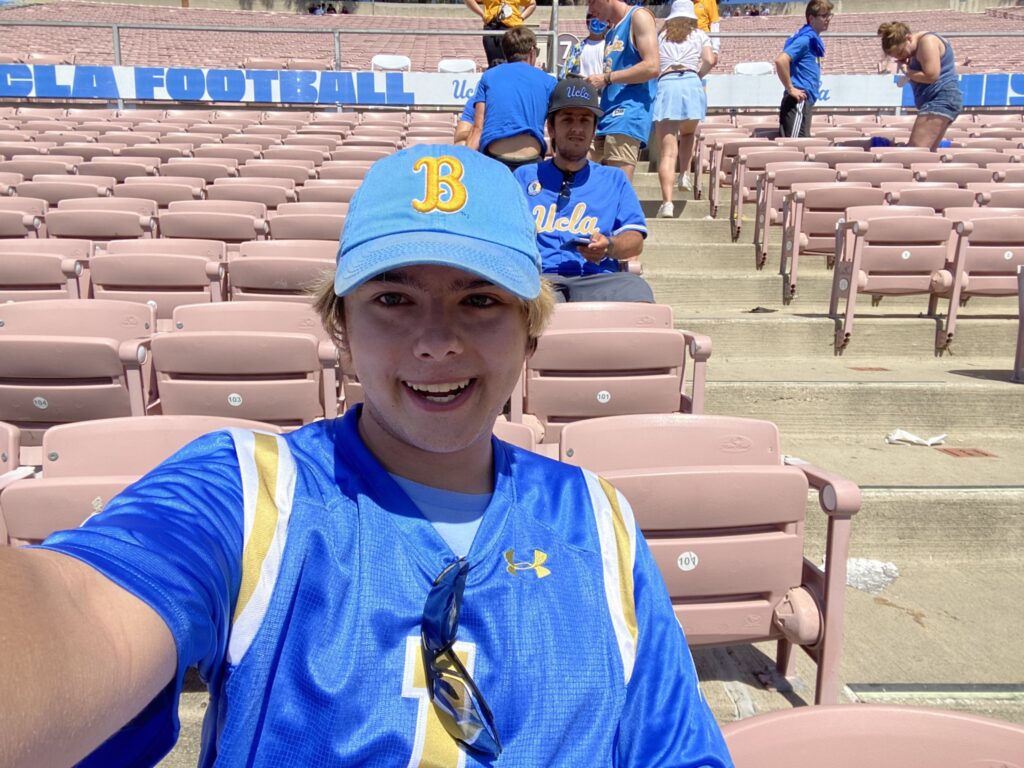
[
  {"x": 596, "y": 81},
  {"x": 797, "y": 93},
  {"x": 597, "y": 249}
]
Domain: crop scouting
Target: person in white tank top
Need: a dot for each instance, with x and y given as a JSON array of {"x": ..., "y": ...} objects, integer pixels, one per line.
[{"x": 686, "y": 56}]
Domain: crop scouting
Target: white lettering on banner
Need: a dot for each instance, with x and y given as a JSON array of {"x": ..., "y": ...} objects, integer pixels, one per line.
[{"x": 245, "y": 86}]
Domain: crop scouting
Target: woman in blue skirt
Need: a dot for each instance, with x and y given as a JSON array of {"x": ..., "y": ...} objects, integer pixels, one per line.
[{"x": 680, "y": 103}]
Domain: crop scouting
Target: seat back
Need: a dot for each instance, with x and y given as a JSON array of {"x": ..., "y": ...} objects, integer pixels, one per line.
[
  {"x": 821, "y": 206},
  {"x": 879, "y": 735},
  {"x": 87, "y": 463},
  {"x": 281, "y": 270},
  {"x": 47, "y": 268},
  {"x": 936, "y": 198},
  {"x": 989, "y": 253}
]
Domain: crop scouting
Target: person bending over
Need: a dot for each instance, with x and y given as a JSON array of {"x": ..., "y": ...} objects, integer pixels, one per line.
[
  {"x": 927, "y": 63},
  {"x": 588, "y": 218}
]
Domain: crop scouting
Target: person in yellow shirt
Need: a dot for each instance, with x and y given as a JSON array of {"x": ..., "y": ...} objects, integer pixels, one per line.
[
  {"x": 708, "y": 22},
  {"x": 499, "y": 15}
]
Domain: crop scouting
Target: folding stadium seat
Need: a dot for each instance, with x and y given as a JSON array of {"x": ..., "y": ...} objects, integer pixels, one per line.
[
  {"x": 191, "y": 138},
  {"x": 704, "y": 147},
  {"x": 207, "y": 169},
  {"x": 936, "y": 198},
  {"x": 42, "y": 268},
  {"x": 1018, "y": 360},
  {"x": 724, "y": 518},
  {"x": 772, "y": 188},
  {"x": 90, "y": 151},
  {"x": 126, "y": 138},
  {"x": 879, "y": 735},
  {"x": 249, "y": 139},
  {"x": 837, "y": 134},
  {"x": 44, "y": 125},
  {"x": 22, "y": 217},
  {"x": 328, "y": 190},
  {"x": 8, "y": 182},
  {"x": 161, "y": 190},
  {"x": 233, "y": 221},
  {"x": 384, "y": 118},
  {"x": 833, "y": 156},
  {"x": 315, "y": 65},
  {"x": 162, "y": 272},
  {"x": 628, "y": 359},
  {"x": 723, "y": 155},
  {"x": 456, "y": 66},
  {"x": 990, "y": 143},
  {"x": 87, "y": 463},
  {"x": 1002, "y": 198},
  {"x": 28, "y": 166},
  {"x": 54, "y": 188},
  {"x": 261, "y": 62},
  {"x": 887, "y": 251},
  {"x": 809, "y": 216},
  {"x": 980, "y": 157},
  {"x": 961, "y": 173},
  {"x": 316, "y": 156},
  {"x": 747, "y": 171},
  {"x": 874, "y": 174},
  {"x": 275, "y": 131},
  {"x": 240, "y": 153},
  {"x": 101, "y": 219},
  {"x": 345, "y": 169},
  {"x": 70, "y": 360},
  {"x": 373, "y": 154},
  {"x": 989, "y": 252},
  {"x": 254, "y": 189},
  {"x": 327, "y": 143},
  {"x": 308, "y": 221},
  {"x": 296, "y": 170},
  {"x": 374, "y": 142},
  {"x": 280, "y": 270},
  {"x": 270, "y": 361},
  {"x": 1009, "y": 175}
]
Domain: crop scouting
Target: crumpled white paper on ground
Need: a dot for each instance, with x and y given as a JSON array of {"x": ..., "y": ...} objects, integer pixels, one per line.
[{"x": 902, "y": 437}]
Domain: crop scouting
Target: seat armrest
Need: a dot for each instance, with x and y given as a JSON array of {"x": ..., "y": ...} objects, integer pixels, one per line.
[{"x": 838, "y": 496}]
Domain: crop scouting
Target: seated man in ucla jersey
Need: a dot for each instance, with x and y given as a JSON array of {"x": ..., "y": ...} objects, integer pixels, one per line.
[{"x": 588, "y": 218}]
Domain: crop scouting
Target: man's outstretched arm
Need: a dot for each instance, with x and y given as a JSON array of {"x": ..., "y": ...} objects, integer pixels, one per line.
[{"x": 79, "y": 658}]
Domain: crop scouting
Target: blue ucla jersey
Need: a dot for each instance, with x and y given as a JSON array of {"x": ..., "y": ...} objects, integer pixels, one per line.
[
  {"x": 293, "y": 572},
  {"x": 516, "y": 96},
  {"x": 600, "y": 200},
  {"x": 627, "y": 108}
]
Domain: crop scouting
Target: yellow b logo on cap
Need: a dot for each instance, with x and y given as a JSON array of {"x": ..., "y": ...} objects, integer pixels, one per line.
[{"x": 436, "y": 181}]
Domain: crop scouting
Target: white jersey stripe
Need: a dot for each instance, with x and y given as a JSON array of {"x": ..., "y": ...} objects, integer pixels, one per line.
[
  {"x": 616, "y": 530},
  {"x": 268, "y": 485}
]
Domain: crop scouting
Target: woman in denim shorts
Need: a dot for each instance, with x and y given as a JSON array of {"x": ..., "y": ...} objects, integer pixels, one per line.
[{"x": 928, "y": 65}]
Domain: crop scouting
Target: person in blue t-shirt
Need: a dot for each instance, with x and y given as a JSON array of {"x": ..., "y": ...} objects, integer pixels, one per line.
[
  {"x": 589, "y": 223},
  {"x": 394, "y": 587},
  {"x": 799, "y": 70},
  {"x": 510, "y": 102}
]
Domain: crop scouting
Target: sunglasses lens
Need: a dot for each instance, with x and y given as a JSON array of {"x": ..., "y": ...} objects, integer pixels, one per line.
[
  {"x": 460, "y": 707},
  {"x": 441, "y": 611}
]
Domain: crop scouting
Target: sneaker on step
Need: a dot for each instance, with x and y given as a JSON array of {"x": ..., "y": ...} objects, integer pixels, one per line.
[
  {"x": 684, "y": 183},
  {"x": 667, "y": 211}
]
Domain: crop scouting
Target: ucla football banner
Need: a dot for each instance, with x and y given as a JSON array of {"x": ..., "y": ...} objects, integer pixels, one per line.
[{"x": 410, "y": 89}]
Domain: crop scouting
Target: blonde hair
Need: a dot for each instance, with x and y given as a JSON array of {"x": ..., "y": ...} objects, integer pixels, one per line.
[
  {"x": 893, "y": 33},
  {"x": 679, "y": 28},
  {"x": 331, "y": 309}
]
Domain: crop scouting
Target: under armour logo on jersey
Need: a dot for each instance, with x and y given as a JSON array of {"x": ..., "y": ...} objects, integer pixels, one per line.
[
  {"x": 537, "y": 566},
  {"x": 443, "y": 188}
]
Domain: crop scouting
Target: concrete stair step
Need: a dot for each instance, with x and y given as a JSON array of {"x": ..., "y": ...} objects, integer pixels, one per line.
[
  {"x": 682, "y": 259},
  {"x": 769, "y": 336},
  {"x": 688, "y": 210}
]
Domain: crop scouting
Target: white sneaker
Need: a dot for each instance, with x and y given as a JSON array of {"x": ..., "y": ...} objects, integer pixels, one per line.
[
  {"x": 667, "y": 210},
  {"x": 684, "y": 182}
]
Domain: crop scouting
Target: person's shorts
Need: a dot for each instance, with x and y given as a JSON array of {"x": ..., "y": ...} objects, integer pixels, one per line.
[
  {"x": 680, "y": 96},
  {"x": 617, "y": 148},
  {"x": 948, "y": 102}
]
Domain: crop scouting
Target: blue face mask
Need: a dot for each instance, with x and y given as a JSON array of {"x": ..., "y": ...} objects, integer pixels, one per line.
[{"x": 597, "y": 27}]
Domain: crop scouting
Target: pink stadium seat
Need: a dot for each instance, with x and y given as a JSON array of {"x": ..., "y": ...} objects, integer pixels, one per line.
[
  {"x": 327, "y": 143},
  {"x": 809, "y": 218},
  {"x": 162, "y": 272},
  {"x": 879, "y": 735},
  {"x": 316, "y": 156},
  {"x": 271, "y": 361},
  {"x": 207, "y": 169},
  {"x": 345, "y": 152},
  {"x": 603, "y": 359},
  {"x": 833, "y": 156},
  {"x": 328, "y": 190},
  {"x": 298, "y": 171},
  {"x": 29, "y": 167},
  {"x": 78, "y": 480},
  {"x": 515, "y": 433},
  {"x": 1002, "y": 198},
  {"x": 704, "y": 147},
  {"x": 21, "y": 216},
  {"x": 936, "y": 198},
  {"x": 103, "y": 218},
  {"x": 53, "y": 189},
  {"x": 90, "y": 151},
  {"x": 724, "y": 518},
  {"x": 905, "y": 156},
  {"x": 233, "y": 221},
  {"x": 120, "y": 168},
  {"x": 1018, "y": 361},
  {"x": 42, "y": 268},
  {"x": 961, "y": 173},
  {"x": 282, "y": 270},
  {"x": 875, "y": 174},
  {"x": 723, "y": 155},
  {"x": 747, "y": 171},
  {"x": 262, "y": 62},
  {"x": 162, "y": 152},
  {"x": 70, "y": 360},
  {"x": 252, "y": 139},
  {"x": 978, "y": 156},
  {"x": 163, "y": 191},
  {"x": 241, "y": 153},
  {"x": 308, "y": 221},
  {"x": 988, "y": 254},
  {"x": 772, "y": 189},
  {"x": 270, "y": 195},
  {"x": 887, "y": 251}
]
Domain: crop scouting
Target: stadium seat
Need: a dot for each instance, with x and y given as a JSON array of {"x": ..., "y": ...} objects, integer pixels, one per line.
[
  {"x": 879, "y": 735},
  {"x": 233, "y": 221},
  {"x": 724, "y": 519},
  {"x": 328, "y": 190},
  {"x": 28, "y": 166},
  {"x": 78, "y": 479},
  {"x": 162, "y": 272},
  {"x": 754, "y": 68},
  {"x": 905, "y": 156},
  {"x": 53, "y": 188},
  {"x": 515, "y": 433},
  {"x": 372, "y": 154},
  {"x": 960, "y": 173},
  {"x": 1018, "y": 361},
  {"x": 887, "y": 251},
  {"x": 298, "y": 171},
  {"x": 703, "y": 149},
  {"x": 43, "y": 268},
  {"x": 628, "y": 359},
  {"x": 316, "y": 155},
  {"x": 936, "y": 198},
  {"x": 308, "y": 221},
  {"x": 723, "y": 155},
  {"x": 22, "y": 216},
  {"x": 256, "y": 191},
  {"x": 120, "y": 168},
  {"x": 988, "y": 253},
  {"x": 874, "y": 174},
  {"x": 282, "y": 270},
  {"x": 809, "y": 217},
  {"x": 261, "y": 62},
  {"x": 834, "y": 156},
  {"x": 747, "y": 170},
  {"x": 269, "y": 361},
  {"x": 240, "y": 153},
  {"x": 69, "y": 360},
  {"x": 162, "y": 152},
  {"x": 456, "y": 66},
  {"x": 162, "y": 190},
  {"x": 772, "y": 188},
  {"x": 207, "y": 169},
  {"x": 1002, "y": 198}
]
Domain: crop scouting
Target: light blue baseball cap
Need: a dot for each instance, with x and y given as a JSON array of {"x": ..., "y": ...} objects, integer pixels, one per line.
[{"x": 444, "y": 205}]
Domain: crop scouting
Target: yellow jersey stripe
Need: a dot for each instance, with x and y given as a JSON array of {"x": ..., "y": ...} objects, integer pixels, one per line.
[
  {"x": 265, "y": 519},
  {"x": 625, "y": 558}
]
